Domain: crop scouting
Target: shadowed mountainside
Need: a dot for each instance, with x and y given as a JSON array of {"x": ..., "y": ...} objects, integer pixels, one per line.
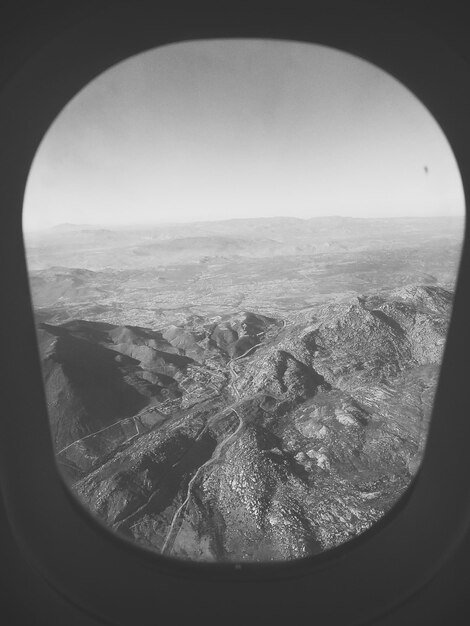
[{"x": 244, "y": 437}]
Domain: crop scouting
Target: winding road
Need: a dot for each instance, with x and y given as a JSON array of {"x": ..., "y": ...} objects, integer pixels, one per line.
[
  {"x": 220, "y": 447},
  {"x": 213, "y": 458},
  {"x": 233, "y": 374}
]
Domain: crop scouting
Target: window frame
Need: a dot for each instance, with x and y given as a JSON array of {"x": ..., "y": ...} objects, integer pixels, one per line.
[{"x": 111, "y": 577}]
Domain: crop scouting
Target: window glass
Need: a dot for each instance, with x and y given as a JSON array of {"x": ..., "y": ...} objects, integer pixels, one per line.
[{"x": 242, "y": 257}]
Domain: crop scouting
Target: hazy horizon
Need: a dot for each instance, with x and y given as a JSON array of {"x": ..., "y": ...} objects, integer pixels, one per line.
[{"x": 123, "y": 225}]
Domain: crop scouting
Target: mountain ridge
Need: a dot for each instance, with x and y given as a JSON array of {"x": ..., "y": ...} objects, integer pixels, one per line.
[{"x": 303, "y": 435}]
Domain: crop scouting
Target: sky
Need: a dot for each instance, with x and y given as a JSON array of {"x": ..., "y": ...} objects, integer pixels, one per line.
[{"x": 218, "y": 129}]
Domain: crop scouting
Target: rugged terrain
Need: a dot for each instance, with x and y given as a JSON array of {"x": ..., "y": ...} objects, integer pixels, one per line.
[
  {"x": 242, "y": 390},
  {"x": 243, "y": 436}
]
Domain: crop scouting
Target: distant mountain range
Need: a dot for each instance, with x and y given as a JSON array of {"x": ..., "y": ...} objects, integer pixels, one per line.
[
  {"x": 139, "y": 248},
  {"x": 230, "y": 224}
]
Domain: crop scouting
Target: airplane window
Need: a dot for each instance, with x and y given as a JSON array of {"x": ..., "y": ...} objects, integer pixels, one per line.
[{"x": 242, "y": 257}]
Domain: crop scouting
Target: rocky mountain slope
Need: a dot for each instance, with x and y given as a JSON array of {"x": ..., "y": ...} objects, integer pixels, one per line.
[{"x": 244, "y": 437}]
